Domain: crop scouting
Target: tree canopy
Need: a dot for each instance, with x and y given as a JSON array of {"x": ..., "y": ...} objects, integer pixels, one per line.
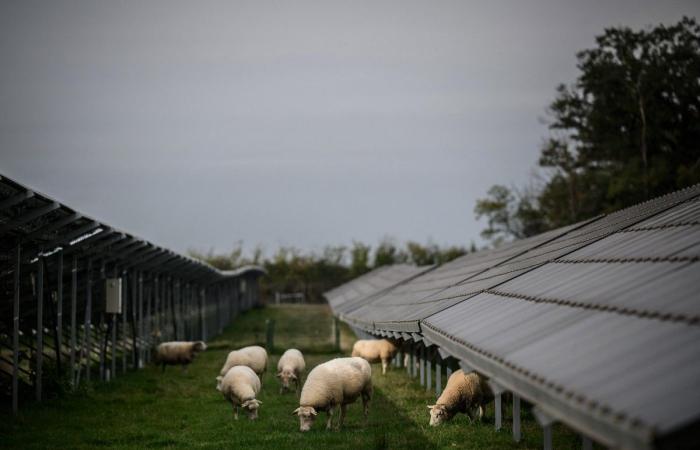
[
  {"x": 627, "y": 129},
  {"x": 313, "y": 273}
]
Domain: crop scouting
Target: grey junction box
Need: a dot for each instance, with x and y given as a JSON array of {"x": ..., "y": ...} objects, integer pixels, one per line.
[{"x": 113, "y": 290}]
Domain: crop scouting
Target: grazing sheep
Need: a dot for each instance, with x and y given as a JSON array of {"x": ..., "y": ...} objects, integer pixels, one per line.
[
  {"x": 290, "y": 368},
  {"x": 177, "y": 352},
  {"x": 337, "y": 382},
  {"x": 375, "y": 350},
  {"x": 254, "y": 357},
  {"x": 465, "y": 393},
  {"x": 240, "y": 385}
]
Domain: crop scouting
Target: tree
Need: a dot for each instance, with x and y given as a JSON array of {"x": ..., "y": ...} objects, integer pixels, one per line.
[
  {"x": 387, "y": 253},
  {"x": 626, "y": 130},
  {"x": 633, "y": 114},
  {"x": 510, "y": 213},
  {"x": 359, "y": 259}
]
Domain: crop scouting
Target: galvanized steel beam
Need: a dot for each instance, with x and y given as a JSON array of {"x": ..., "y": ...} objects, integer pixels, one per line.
[
  {"x": 15, "y": 329},
  {"x": 15, "y": 199},
  {"x": 28, "y": 217}
]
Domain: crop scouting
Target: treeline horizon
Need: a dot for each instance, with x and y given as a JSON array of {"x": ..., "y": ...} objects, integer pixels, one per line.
[{"x": 293, "y": 270}]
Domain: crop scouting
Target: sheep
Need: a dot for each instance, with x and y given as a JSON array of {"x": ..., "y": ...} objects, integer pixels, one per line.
[
  {"x": 177, "y": 352},
  {"x": 375, "y": 350},
  {"x": 465, "y": 393},
  {"x": 239, "y": 386},
  {"x": 290, "y": 367},
  {"x": 254, "y": 357},
  {"x": 337, "y": 382}
]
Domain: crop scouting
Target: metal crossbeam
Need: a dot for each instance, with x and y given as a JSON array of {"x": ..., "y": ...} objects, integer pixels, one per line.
[
  {"x": 145, "y": 257},
  {"x": 17, "y": 198},
  {"x": 28, "y": 217},
  {"x": 127, "y": 242},
  {"x": 53, "y": 226},
  {"x": 105, "y": 242},
  {"x": 72, "y": 234}
]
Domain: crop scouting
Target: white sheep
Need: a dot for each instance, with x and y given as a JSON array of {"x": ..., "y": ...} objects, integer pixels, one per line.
[
  {"x": 375, "y": 350},
  {"x": 290, "y": 368},
  {"x": 240, "y": 386},
  {"x": 254, "y": 357},
  {"x": 465, "y": 393},
  {"x": 177, "y": 352},
  {"x": 337, "y": 382}
]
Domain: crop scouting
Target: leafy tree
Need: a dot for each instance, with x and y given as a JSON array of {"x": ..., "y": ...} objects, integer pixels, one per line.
[
  {"x": 626, "y": 130},
  {"x": 387, "y": 253},
  {"x": 313, "y": 273},
  {"x": 359, "y": 259},
  {"x": 510, "y": 213}
]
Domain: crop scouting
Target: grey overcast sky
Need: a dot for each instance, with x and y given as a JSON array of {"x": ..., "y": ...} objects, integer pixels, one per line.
[{"x": 197, "y": 124}]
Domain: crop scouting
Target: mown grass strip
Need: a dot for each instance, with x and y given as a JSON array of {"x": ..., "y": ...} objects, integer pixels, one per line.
[{"x": 184, "y": 410}]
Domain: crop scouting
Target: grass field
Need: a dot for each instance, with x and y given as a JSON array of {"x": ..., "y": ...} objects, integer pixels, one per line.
[{"x": 178, "y": 410}]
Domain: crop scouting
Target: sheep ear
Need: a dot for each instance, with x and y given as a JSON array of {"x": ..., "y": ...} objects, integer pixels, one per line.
[
  {"x": 293, "y": 377},
  {"x": 431, "y": 406},
  {"x": 278, "y": 375},
  {"x": 313, "y": 412},
  {"x": 295, "y": 412}
]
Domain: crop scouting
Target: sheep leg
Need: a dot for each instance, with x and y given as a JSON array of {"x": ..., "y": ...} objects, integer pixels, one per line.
[
  {"x": 329, "y": 422},
  {"x": 343, "y": 407},
  {"x": 235, "y": 412},
  {"x": 470, "y": 414},
  {"x": 385, "y": 363},
  {"x": 475, "y": 413},
  {"x": 184, "y": 369},
  {"x": 366, "y": 397}
]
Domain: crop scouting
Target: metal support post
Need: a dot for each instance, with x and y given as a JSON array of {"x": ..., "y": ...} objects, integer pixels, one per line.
[
  {"x": 428, "y": 371},
  {"x": 421, "y": 365},
  {"x": 586, "y": 443},
  {"x": 140, "y": 318},
  {"x": 88, "y": 322},
  {"x": 73, "y": 317},
  {"x": 39, "y": 328},
  {"x": 59, "y": 311},
  {"x": 15, "y": 330},
  {"x": 545, "y": 422},
  {"x": 438, "y": 376},
  {"x": 516, "y": 418},
  {"x": 125, "y": 311}
]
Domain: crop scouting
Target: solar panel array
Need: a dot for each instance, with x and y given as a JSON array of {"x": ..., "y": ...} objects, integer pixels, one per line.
[
  {"x": 598, "y": 323},
  {"x": 54, "y": 263}
]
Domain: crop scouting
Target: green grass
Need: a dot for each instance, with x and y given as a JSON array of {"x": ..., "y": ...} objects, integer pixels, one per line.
[{"x": 176, "y": 410}]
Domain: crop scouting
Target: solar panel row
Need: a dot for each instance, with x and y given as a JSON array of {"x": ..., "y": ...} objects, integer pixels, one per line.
[{"x": 596, "y": 323}]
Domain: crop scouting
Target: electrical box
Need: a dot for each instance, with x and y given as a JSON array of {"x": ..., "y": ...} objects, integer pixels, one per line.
[{"x": 113, "y": 289}]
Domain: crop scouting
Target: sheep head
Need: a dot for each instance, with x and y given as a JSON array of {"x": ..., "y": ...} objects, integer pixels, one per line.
[
  {"x": 251, "y": 407},
  {"x": 307, "y": 416},
  {"x": 286, "y": 377},
  {"x": 438, "y": 414}
]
